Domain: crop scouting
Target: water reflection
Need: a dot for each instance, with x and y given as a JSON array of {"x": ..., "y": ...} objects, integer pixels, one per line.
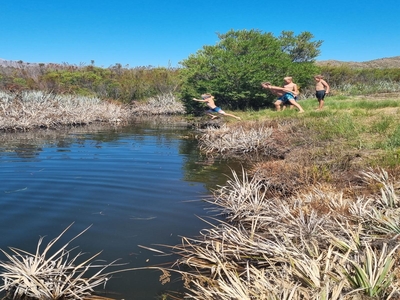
[{"x": 138, "y": 185}]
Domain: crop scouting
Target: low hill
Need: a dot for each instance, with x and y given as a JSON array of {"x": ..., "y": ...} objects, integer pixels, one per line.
[{"x": 381, "y": 63}]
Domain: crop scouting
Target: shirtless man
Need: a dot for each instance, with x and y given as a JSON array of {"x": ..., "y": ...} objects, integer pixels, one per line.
[
  {"x": 209, "y": 100},
  {"x": 321, "y": 89},
  {"x": 286, "y": 94},
  {"x": 289, "y": 84}
]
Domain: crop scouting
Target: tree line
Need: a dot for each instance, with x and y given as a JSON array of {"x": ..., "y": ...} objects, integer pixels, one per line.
[
  {"x": 116, "y": 82},
  {"x": 339, "y": 75}
]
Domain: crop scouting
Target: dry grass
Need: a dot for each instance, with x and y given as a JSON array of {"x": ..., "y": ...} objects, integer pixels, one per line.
[
  {"x": 28, "y": 110},
  {"x": 241, "y": 140},
  {"x": 52, "y": 274},
  {"x": 36, "y": 109},
  {"x": 319, "y": 245},
  {"x": 308, "y": 225},
  {"x": 164, "y": 104}
]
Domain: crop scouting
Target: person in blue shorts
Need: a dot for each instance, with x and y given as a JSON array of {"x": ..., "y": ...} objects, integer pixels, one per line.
[
  {"x": 286, "y": 96},
  {"x": 209, "y": 100}
]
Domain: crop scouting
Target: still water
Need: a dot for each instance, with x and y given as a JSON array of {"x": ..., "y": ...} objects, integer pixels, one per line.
[{"x": 138, "y": 185}]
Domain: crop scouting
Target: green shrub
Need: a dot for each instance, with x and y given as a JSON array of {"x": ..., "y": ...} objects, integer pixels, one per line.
[{"x": 234, "y": 68}]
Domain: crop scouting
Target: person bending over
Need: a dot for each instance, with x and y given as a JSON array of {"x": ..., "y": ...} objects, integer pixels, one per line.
[{"x": 286, "y": 95}]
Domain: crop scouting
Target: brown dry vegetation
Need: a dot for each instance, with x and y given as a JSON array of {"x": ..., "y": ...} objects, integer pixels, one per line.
[
  {"x": 307, "y": 165},
  {"x": 292, "y": 157},
  {"x": 35, "y": 109}
]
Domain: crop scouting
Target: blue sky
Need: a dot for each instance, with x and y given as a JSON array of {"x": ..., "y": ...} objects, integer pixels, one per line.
[{"x": 163, "y": 33}]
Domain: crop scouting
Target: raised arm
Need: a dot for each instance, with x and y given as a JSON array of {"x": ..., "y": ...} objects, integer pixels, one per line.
[
  {"x": 199, "y": 100},
  {"x": 277, "y": 89},
  {"x": 267, "y": 85}
]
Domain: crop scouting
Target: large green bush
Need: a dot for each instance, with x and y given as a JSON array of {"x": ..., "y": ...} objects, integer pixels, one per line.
[{"x": 234, "y": 68}]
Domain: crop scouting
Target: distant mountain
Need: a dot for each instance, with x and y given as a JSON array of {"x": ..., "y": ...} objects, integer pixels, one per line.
[
  {"x": 15, "y": 64},
  {"x": 381, "y": 63}
]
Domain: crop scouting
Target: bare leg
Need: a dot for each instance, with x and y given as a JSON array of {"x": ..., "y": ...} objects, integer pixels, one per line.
[
  {"x": 278, "y": 105},
  {"x": 230, "y": 115},
  {"x": 294, "y": 103},
  {"x": 321, "y": 104}
]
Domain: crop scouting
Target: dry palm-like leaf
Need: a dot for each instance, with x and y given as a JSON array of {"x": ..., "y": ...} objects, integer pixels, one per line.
[
  {"x": 385, "y": 223},
  {"x": 253, "y": 283},
  {"x": 349, "y": 239},
  {"x": 388, "y": 197},
  {"x": 40, "y": 275},
  {"x": 320, "y": 274},
  {"x": 371, "y": 271},
  {"x": 241, "y": 197},
  {"x": 360, "y": 208},
  {"x": 289, "y": 248}
]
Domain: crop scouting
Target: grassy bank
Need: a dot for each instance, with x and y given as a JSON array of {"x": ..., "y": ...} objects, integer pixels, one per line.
[
  {"x": 350, "y": 134},
  {"x": 318, "y": 214}
]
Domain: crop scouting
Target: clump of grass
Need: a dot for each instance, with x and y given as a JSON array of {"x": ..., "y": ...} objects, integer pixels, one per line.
[
  {"x": 371, "y": 272},
  {"x": 241, "y": 141},
  {"x": 58, "y": 276},
  {"x": 36, "y": 109},
  {"x": 393, "y": 140},
  {"x": 339, "y": 126},
  {"x": 163, "y": 104},
  {"x": 382, "y": 125}
]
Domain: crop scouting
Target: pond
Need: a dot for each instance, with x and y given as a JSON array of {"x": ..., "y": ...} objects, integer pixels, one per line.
[{"x": 139, "y": 185}]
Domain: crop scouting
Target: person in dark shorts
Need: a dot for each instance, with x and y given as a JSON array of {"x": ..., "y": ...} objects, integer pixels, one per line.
[{"x": 321, "y": 89}]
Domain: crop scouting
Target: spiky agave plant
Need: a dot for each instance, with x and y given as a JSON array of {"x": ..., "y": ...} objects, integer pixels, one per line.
[{"x": 57, "y": 276}]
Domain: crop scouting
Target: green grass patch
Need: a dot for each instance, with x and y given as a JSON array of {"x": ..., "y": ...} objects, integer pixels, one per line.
[
  {"x": 363, "y": 104},
  {"x": 381, "y": 126},
  {"x": 393, "y": 140},
  {"x": 345, "y": 125},
  {"x": 368, "y": 104},
  {"x": 337, "y": 126}
]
